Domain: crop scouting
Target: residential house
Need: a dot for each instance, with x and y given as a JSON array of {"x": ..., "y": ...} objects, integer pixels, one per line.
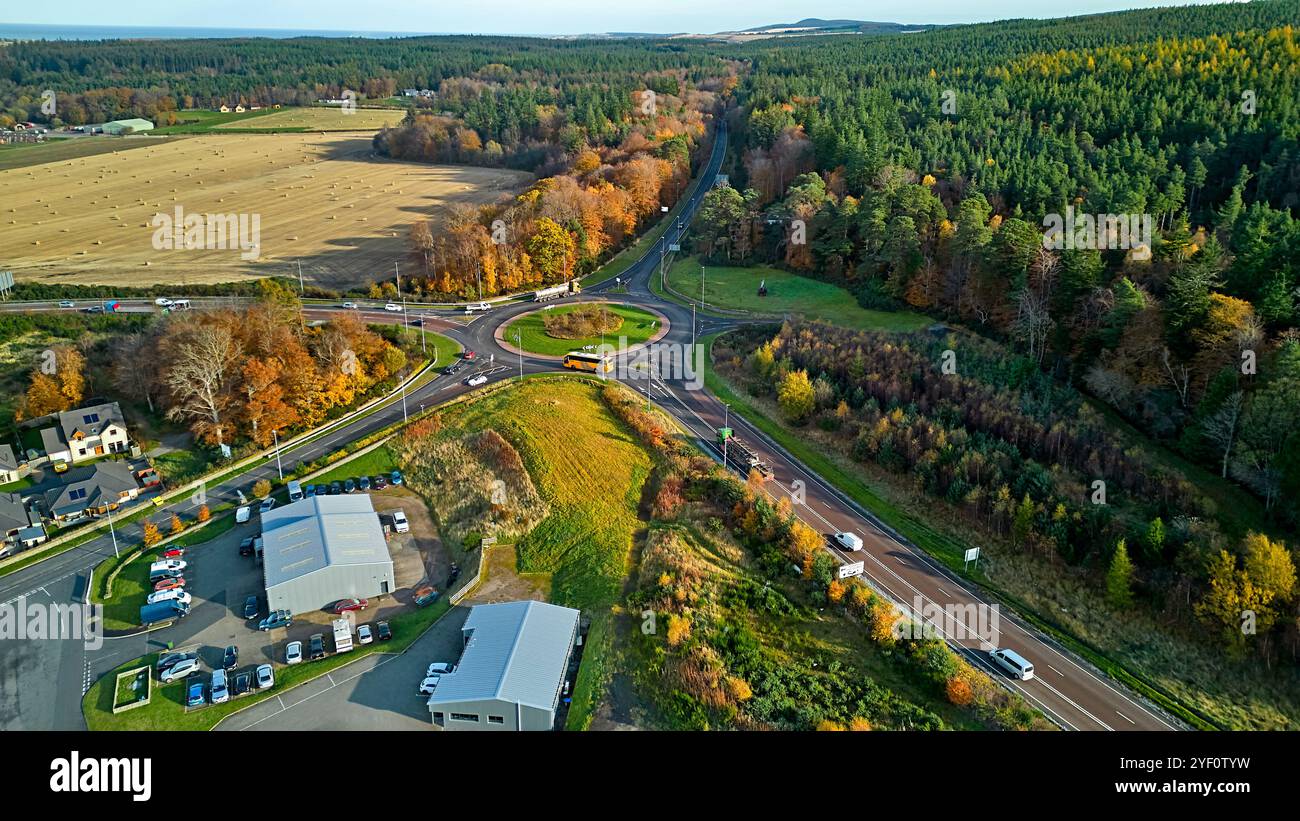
[
  {"x": 225, "y": 109},
  {"x": 239, "y": 109},
  {"x": 8, "y": 466},
  {"x": 86, "y": 433},
  {"x": 13, "y": 518},
  {"x": 92, "y": 491}
]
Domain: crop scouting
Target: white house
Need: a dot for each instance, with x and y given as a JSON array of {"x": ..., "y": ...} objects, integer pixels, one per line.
[{"x": 86, "y": 433}]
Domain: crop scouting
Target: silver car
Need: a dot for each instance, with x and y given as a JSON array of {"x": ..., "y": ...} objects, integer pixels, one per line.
[{"x": 265, "y": 676}]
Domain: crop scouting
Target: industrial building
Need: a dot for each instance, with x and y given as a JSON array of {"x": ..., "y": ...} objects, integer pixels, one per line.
[
  {"x": 134, "y": 125},
  {"x": 322, "y": 549},
  {"x": 512, "y": 672}
]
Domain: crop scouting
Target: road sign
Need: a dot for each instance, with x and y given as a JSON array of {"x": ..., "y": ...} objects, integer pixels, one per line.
[
  {"x": 848, "y": 571},
  {"x": 972, "y": 555},
  {"x": 673, "y": 246}
]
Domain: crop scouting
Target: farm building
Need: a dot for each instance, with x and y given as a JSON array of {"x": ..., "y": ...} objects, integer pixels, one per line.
[
  {"x": 132, "y": 126},
  {"x": 512, "y": 671},
  {"x": 322, "y": 549}
]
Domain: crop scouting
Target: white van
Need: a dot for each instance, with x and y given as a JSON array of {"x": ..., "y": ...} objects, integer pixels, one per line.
[
  {"x": 180, "y": 305},
  {"x": 476, "y": 306},
  {"x": 851, "y": 542},
  {"x": 295, "y": 490},
  {"x": 1013, "y": 663},
  {"x": 242, "y": 515},
  {"x": 399, "y": 522}
]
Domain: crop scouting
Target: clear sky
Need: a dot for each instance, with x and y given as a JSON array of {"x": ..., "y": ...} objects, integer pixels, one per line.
[{"x": 536, "y": 16}]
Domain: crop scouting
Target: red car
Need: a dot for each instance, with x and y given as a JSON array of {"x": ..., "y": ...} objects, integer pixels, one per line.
[
  {"x": 344, "y": 605},
  {"x": 174, "y": 553},
  {"x": 170, "y": 584},
  {"x": 468, "y": 354}
]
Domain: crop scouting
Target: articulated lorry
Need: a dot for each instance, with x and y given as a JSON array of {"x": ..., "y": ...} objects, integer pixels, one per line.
[
  {"x": 557, "y": 291},
  {"x": 740, "y": 456}
]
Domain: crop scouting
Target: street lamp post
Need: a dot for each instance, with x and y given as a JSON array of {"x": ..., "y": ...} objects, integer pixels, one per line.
[
  {"x": 279, "y": 468},
  {"x": 519, "y": 347},
  {"x": 112, "y": 532},
  {"x": 726, "y": 421}
]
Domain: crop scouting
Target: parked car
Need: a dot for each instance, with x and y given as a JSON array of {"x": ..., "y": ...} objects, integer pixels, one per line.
[
  {"x": 243, "y": 683},
  {"x": 425, "y": 595},
  {"x": 242, "y": 514},
  {"x": 440, "y": 668},
  {"x": 344, "y": 605},
  {"x": 265, "y": 676},
  {"x": 429, "y": 684},
  {"x": 251, "y": 607},
  {"x": 395, "y": 477},
  {"x": 380, "y": 482},
  {"x": 230, "y": 658},
  {"x": 167, "y": 565},
  {"x": 384, "y": 631},
  {"x": 293, "y": 653},
  {"x": 336, "y": 487},
  {"x": 394, "y": 307},
  {"x": 174, "y": 553},
  {"x": 349, "y": 485},
  {"x": 351, "y": 306},
  {"x": 364, "y": 483},
  {"x": 308, "y": 490},
  {"x": 266, "y": 505},
  {"x": 170, "y": 584},
  {"x": 174, "y": 595},
  {"x": 179, "y": 670},
  {"x": 196, "y": 697},
  {"x": 400, "y": 524},
  {"x": 317, "y": 647},
  {"x": 246, "y": 546},
  {"x": 276, "y": 620},
  {"x": 219, "y": 692},
  {"x": 476, "y": 380},
  {"x": 168, "y": 659}
]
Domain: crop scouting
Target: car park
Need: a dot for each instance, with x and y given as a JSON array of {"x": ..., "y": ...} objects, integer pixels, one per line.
[
  {"x": 380, "y": 482},
  {"x": 230, "y": 658},
  {"x": 276, "y": 620},
  {"x": 246, "y": 546},
  {"x": 251, "y": 607},
  {"x": 428, "y": 685},
  {"x": 220, "y": 691},
  {"x": 293, "y": 653},
  {"x": 316, "y": 647},
  {"x": 344, "y": 605},
  {"x": 440, "y": 668},
  {"x": 265, "y": 676},
  {"x": 364, "y": 483},
  {"x": 243, "y": 683},
  {"x": 383, "y": 631},
  {"x": 476, "y": 380},
  {"x": 170, "y": 584},
  {"x": 196, "y": 697},
  {"x": 349, "y": 485},
  {"x": 179, "y": 670},
  {"x": 266, "y": 505},
  {"x": 365, "y": 634},
  {"x": 400, "y": 524},
  {"x": 395, "y": 477}
]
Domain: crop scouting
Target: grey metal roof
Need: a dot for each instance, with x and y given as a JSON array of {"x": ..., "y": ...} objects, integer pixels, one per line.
[
  {"x": 516, "y": 653},
  {"x": 321, "y": 531}
]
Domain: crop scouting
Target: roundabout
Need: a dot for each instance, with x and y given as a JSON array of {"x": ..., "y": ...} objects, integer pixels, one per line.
[{"x": 552, "y": 331}]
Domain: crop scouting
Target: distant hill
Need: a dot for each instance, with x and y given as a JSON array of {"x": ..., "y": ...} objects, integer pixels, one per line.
[{"x": 815, "y": 25}]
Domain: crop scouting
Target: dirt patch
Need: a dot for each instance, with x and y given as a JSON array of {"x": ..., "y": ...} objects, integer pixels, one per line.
[
  {"x": 419, "y": 556},
  {"x": 502, "y": 580}
]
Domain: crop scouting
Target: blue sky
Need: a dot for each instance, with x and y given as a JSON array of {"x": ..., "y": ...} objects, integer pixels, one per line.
[{"x": 535, "y": 16}]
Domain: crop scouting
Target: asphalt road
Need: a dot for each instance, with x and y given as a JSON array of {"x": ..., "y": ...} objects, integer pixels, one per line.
[{"x": 1066, "y": 689}]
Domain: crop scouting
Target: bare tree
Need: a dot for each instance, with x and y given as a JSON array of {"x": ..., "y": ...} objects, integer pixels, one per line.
[
  {"x": 196, "y": 378},
  {"x": 1181, "y": 379},
  {"x": 134, "y": 373},
  {"x": 1221, "y": 427}
]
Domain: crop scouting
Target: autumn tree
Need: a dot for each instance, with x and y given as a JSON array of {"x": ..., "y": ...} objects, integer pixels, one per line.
[
  {"x": 1119, "y": 578},
  {"x": 151, "y": 535},
  {"x": 795, "y": 396}
]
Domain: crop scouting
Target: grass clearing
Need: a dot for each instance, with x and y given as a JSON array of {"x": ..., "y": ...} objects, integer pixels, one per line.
[
  {"x": 638, "y": 326},
  {"x": 320, "y": 119},
  {"x": 736, "y": 287},
  {"x": 380, "y": 460},
  {"x": 22, "y": 155}
]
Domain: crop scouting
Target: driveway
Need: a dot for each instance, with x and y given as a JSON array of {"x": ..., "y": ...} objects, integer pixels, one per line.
[{"x": 376, "y": 692}]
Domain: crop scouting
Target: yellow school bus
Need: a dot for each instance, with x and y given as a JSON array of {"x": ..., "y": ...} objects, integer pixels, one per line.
[{"x": 582, "y": 361}]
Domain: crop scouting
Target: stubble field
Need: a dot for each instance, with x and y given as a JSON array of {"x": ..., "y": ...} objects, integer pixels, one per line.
[{"x": 323, "y": 200}]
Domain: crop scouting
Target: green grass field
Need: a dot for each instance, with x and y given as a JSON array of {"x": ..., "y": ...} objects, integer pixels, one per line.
[
  {"x": 20, "y": 155},
  {"x": 638, "y": 326},
  {"x": 380, "y": 460},
  {"x": 202, "y": 121},
  {"x": 736, "y": 288}
]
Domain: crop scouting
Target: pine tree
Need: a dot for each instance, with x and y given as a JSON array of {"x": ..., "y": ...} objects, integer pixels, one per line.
[{"x": 1119, "y": 579}]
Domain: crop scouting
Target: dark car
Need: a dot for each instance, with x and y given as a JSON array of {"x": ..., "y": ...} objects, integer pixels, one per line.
[
  {"x": 316, "y": 647},
  {"x": 364, "y": 483},
  {"x": 243, "y": 683},
  {"x": 380, "y": 482},
  {"x": 451, "y": 369},
  {"x": 251, "y": 607},
  {"x": 246, "y": 546},
  {"x": 384, "y": 631},
  {"x": 396, "y": 477},
  {"x": 168, "y": 659},
  {"x": 277, "y": 619},
  {"x": 336, "y": 488},
  {"x": 417, "y": 322},
  {"x": 453, "y": 574},
  {"x": 231, "y": 658},
  {"x": 349, "y": 485}
]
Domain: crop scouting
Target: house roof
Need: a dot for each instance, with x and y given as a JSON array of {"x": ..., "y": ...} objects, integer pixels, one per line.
[
  {"x": 516, "y": 652},
  {"x": 318, "y": 532},
  {"x": 91, "y": 487},
  {"x": 89, "y": 421},
  {"x": 13, "y": 513},
  {"x": 52, "y": 441},
  {"x": 7, "y": 459}
]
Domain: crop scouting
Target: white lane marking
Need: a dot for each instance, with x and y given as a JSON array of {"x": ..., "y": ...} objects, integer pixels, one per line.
[
  {"x": 1054, "y": 670},
  {"x": 1126, "y": 718}
]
